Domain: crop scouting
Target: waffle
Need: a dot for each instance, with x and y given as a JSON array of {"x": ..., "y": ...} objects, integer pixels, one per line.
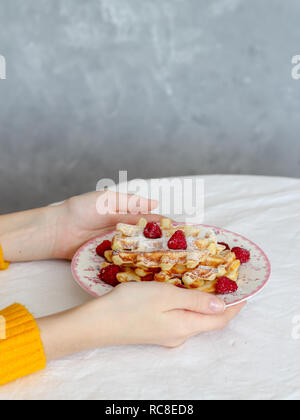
[
  {"x": 197, "y": 267},
  {"x": 131, "y": 238}
]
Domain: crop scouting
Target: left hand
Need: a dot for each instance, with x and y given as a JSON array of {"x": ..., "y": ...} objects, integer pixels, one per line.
[
  {"x": 78, "y": 220},
  {"x": 58, "y": 231}
]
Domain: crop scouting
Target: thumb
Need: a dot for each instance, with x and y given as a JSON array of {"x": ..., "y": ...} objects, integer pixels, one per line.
[{"x": 196, "y": 301}]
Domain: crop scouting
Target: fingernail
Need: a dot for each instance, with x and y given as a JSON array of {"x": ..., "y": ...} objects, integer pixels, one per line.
[{"x": 217, "y": 305}]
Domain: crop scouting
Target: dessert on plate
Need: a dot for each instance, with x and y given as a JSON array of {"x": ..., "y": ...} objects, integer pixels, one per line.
[{"x": 186, "y": 256}]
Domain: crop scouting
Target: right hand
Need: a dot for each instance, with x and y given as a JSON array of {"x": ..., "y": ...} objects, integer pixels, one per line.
[
  {"x": 135, "y": 313},
  {"x": 155, "y": 313}
]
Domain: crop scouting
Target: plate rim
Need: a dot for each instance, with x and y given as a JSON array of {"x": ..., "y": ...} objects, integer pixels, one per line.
[{"x": 255, "y": 293}]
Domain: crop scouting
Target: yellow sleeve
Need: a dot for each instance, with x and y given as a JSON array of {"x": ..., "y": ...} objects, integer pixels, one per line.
[
  {"x": 3, "y": 264},
  {"x": 21, "y": 348}
]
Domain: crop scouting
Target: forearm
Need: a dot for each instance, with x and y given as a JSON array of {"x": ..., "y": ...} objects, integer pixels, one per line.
[
  {"x": 28, "y": 235},
  {"x": 26, "y": 344},
  {"x": 73, "y": 331}
]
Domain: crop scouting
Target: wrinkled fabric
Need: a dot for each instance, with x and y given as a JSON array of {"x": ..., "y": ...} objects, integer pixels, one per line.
[{"x": 256, "y": 356}]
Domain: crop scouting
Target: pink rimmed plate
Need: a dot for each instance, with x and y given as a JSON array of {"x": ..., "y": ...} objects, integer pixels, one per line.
[{"x": 253, "y": 277}]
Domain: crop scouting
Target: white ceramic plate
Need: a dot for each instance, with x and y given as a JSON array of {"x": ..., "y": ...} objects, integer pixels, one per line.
[{"x": 253, "y": 277}]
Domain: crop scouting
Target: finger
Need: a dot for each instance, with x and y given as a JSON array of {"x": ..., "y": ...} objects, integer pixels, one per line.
[
  {"x": 196, "y": 301},
  {"x": 132, "y": 219},
  {"x": 110, "y": 202},
  {"x": 126, "y": 218},
  {"x": 204, "y": 323},
  {"x": 135, "y": 204}
]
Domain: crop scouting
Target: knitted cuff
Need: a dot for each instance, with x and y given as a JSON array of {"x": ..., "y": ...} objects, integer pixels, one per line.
[
  {"x": 21, "y": 348},
  {"x": 3, "y": 264}
]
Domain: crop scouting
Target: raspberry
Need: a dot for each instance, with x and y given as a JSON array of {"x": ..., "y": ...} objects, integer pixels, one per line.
[
  {"x": 149, "y": 277},
  {"x": 225, "y": 286},
  {"x": 224, "y": 244},
  {"x": 109, "y": 274},
  {"x": 181, "y": 286},
  {"x": 105, "y": 246},
  {"x": 154, "y": 270},
  {"x": 178, "y": 241},
  {"x": 152, "y": 231},
  {"x": 241, "y": 254}
]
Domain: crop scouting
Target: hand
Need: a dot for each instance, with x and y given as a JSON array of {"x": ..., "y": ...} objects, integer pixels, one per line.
[
  {"x": 58, "y": 231},
  {"x": 79, "y": 219},
  {"x": 135, "y": 313},
  {"x": 156, "y": 313}
]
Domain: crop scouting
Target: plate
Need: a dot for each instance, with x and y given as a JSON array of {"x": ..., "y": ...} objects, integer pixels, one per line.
[{"x": 253, "y": 277}]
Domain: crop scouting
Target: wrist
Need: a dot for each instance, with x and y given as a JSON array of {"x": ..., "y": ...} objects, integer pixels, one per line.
[
  {"x": 73, "y": 331},
  {"x": 28, "y": 235}
]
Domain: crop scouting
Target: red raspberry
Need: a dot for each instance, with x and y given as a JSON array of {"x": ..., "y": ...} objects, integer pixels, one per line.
[
  {"x": 178, "y": 241},
  {"x": 224, "y": 244},
  {"x": 152, "y": 231},
  {"x": 154, "y": 270},
  {"x": 181, "y": 286},
  {"x": 226, "y": 286},
  {"x": 105, "y": 246},
  {"x": 241, "y": 254},
  {"x": 149, "y": 277},
  {"x": 109, "y": 274}
]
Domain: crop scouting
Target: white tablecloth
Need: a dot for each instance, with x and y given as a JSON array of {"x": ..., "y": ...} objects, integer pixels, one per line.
[{"x": 255, "y": 357}]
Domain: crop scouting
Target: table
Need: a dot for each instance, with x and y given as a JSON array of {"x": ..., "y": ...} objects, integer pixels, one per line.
[{"x": 257, "y": 356}]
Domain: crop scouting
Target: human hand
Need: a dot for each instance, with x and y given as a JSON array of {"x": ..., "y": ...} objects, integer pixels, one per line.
[
  {"x": 58, "y": 231},
  {"x": 156, "y": 313},
  {"x": 135, "y": 313},
  {"x": 79, "y": 219}
]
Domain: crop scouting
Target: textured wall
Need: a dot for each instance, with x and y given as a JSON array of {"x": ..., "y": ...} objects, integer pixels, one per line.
[{"x": 156, "y": 87}]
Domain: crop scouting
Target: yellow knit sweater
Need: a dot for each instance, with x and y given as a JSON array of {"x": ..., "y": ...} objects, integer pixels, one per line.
[
  {"x": 21, "y": 348},
  {"x": 3, "y": 264}
]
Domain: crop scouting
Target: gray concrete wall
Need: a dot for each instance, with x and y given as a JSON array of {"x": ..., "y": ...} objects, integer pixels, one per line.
[{"x": 155, "y": 87}]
